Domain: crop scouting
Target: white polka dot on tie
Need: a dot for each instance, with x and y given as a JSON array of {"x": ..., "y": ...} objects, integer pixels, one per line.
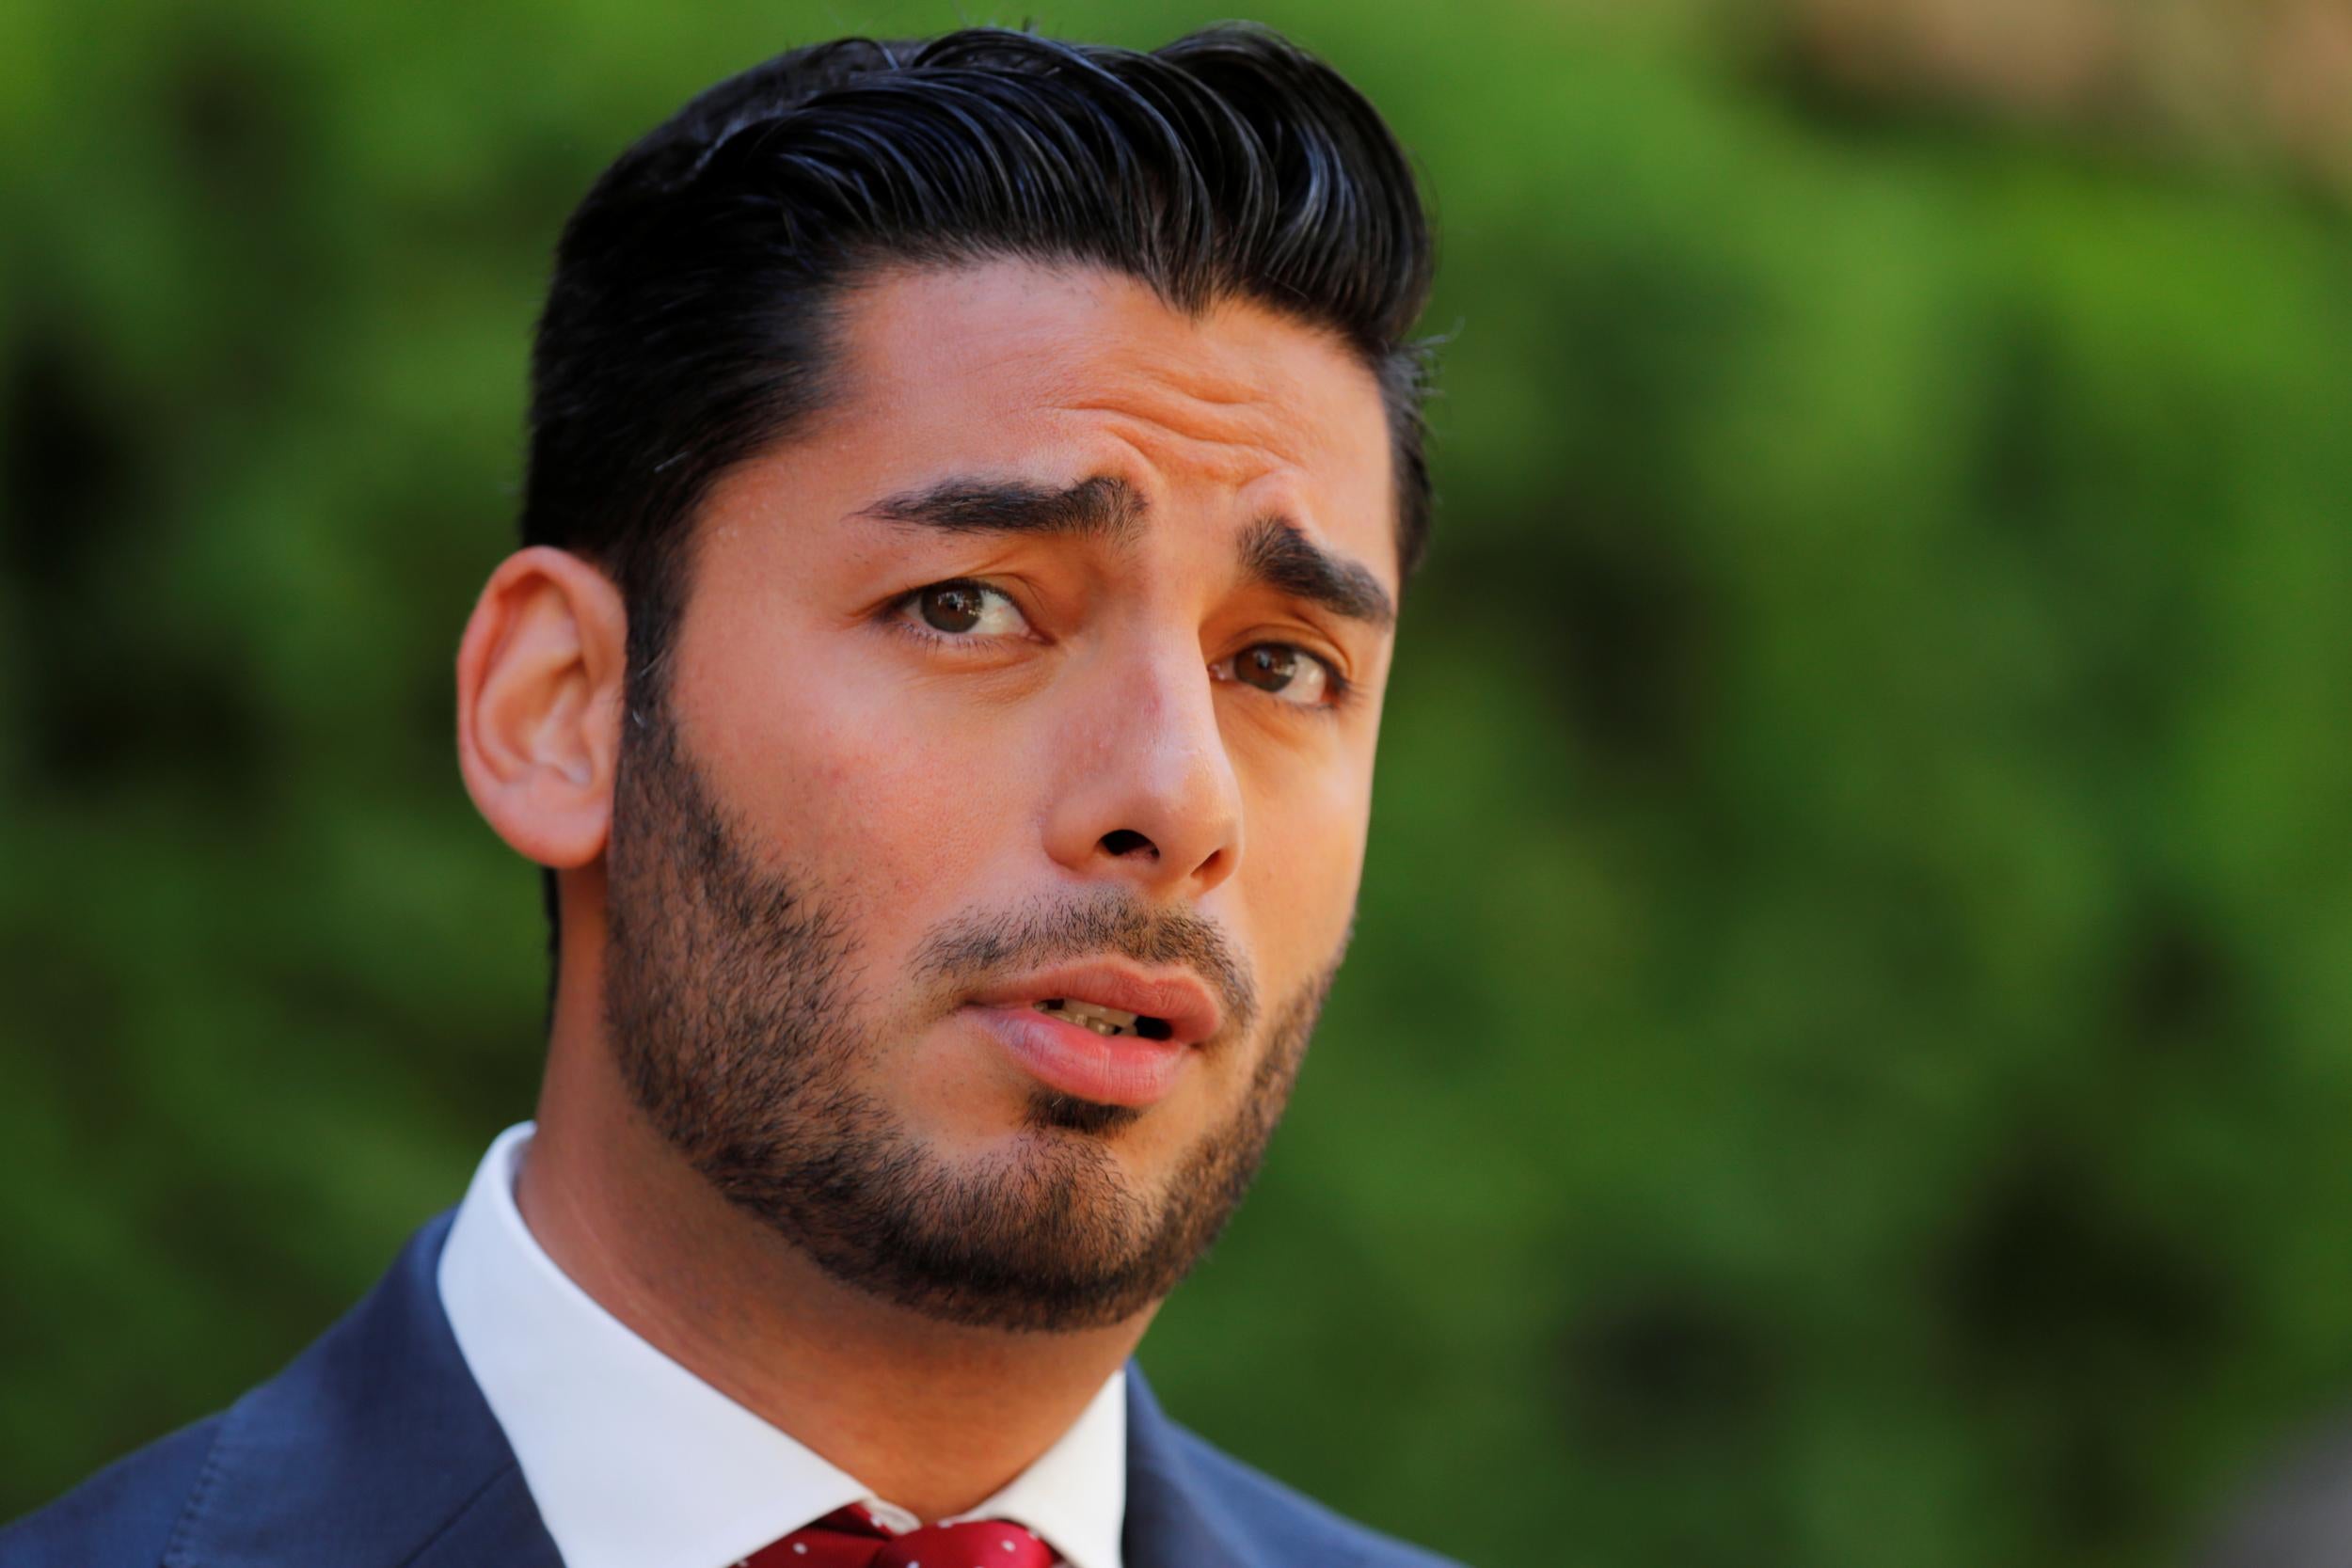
[{"x": 800, "y": 1548}]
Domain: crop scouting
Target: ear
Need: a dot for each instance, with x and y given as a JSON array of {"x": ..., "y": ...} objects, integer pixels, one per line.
[{"x": 539, "y": 676}]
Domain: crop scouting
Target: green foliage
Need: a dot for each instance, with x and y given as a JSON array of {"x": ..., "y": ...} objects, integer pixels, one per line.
[{"x": 1846, "y": 1038}]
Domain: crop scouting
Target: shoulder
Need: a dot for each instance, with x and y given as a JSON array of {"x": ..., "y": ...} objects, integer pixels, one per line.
[
  {"x": 122, "y": 1515},
  {"x": 2298, "y": 1514},
  {"x": 1284, "y": 1525},
  {"x": 371, "y": 1445}
]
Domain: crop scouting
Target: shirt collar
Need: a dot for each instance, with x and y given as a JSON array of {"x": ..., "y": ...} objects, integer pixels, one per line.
[{"x": 636, "y": 1462}]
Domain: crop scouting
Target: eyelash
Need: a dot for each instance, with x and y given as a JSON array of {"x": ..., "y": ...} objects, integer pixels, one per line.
[{"x": 1339, "y": 692}]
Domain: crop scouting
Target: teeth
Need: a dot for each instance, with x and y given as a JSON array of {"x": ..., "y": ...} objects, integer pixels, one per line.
[{"x": 1103, "y": 1021}]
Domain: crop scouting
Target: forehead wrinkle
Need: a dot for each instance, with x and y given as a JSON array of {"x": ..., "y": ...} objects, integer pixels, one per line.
[
  {"x": 1206, "y": 410},
  {"x": 1232, "y": 457},
  {"x": 1255, "y": 407}
]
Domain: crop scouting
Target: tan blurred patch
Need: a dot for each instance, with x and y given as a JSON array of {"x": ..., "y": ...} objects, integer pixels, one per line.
[{"x": 2234, "y": 78}]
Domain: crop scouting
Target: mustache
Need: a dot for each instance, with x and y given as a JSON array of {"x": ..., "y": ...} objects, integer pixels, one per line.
[{"x": 972, "y": 948}]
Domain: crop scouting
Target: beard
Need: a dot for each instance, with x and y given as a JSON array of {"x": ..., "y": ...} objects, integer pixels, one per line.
[{"x": 729, "y": 998}]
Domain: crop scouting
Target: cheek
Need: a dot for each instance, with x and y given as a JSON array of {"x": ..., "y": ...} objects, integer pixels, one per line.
[
  {"x": 842, "y": 773},
  {"x": 1302, "y": 862}
]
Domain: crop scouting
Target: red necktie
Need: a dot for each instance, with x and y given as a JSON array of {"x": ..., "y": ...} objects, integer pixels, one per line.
[{"x": 850, "y": 1538}]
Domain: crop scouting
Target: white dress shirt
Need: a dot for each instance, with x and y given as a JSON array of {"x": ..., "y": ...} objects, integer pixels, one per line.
[{"x": 636, "y": 1462}]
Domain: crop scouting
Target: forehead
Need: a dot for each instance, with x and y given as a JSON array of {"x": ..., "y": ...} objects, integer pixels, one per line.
[{"x": 1060, "y": 373}]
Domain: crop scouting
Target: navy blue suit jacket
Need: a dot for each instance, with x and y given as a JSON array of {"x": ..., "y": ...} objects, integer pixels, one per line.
[{"x": 376, "y": 1450}]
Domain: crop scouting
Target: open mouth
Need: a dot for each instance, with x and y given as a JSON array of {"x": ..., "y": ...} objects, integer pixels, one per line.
[{"x": 1103, "y": 1021}]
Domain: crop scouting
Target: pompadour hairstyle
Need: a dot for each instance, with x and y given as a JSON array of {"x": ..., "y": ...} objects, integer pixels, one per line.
[{"x": 689, "y": 322}]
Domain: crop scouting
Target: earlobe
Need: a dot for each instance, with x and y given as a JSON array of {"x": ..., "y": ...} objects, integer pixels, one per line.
[{"x": 539, "y": 684}]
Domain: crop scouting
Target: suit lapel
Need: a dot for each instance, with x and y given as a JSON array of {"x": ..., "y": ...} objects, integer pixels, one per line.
[
  {"x": 1173, "y": 1518},
  {"x": 372, "y": 1449},
  {"x": 501, "y": 1525}
]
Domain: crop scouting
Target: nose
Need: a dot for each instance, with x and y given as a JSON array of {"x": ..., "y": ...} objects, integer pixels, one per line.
[{"x": 1147, "y": 794}]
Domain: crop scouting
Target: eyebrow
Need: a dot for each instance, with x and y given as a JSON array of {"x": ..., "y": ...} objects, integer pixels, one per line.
[
  {"x": 1274, "y": 551},
  {"x": 1102, "y": 508}
]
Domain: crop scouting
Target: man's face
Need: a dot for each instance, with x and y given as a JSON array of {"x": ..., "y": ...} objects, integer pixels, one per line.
[{"x": 1045, "y": 668}]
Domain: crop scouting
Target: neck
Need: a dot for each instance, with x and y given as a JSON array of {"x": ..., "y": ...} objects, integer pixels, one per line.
[{"x": 934, "y": 1417}]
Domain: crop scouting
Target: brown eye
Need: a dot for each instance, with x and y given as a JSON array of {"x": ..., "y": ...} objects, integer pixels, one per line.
[
  {"x": 1269, "y": 666},
  {"x": 965, "y": 610},
  {"x": 950, "y": 606},
  {"x": 1289, "y": 674}
]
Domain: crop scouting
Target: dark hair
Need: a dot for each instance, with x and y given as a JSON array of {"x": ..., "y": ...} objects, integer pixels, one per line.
[{"x": 688, "y": 326}]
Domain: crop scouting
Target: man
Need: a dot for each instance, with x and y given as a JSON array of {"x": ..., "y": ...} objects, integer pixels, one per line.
[{"x": 970, "y": 491}]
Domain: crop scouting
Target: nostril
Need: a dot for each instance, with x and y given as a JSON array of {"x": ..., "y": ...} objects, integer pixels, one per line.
[{"x": 1126, "y": 841}]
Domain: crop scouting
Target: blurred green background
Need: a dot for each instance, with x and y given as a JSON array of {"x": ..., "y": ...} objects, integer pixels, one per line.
[{"x": 1847, "y": 1048}]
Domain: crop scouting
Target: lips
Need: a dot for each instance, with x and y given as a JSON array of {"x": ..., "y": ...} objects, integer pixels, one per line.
[
  {"x": 1177, "y": 1000},
  {"x": 1067, "y": 1049}
]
